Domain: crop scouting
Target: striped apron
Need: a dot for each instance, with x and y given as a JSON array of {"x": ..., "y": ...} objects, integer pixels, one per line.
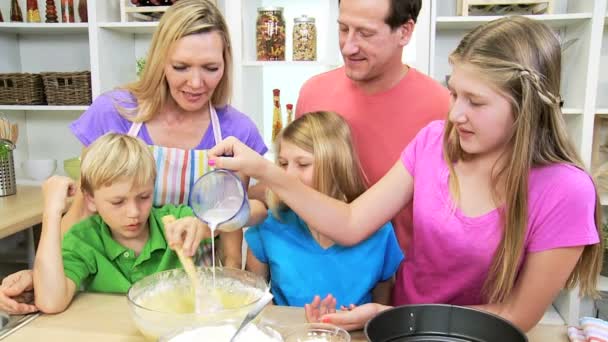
[{"x": 177, "y": 170}]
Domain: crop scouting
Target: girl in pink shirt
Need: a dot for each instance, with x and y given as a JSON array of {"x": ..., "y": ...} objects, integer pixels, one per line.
[{"x": 504, "y": 214}]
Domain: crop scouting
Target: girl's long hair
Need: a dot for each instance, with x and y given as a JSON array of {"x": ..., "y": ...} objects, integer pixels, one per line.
[
  {"x": 522, "y": 58},
  {"x": 337, "y": 171}
]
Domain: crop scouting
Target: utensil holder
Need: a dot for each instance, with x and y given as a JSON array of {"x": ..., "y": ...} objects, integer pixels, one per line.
[{"x": 8, "y": 185}]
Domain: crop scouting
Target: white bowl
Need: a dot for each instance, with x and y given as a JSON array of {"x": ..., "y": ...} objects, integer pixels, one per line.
[{"x": 39, "y": 169}]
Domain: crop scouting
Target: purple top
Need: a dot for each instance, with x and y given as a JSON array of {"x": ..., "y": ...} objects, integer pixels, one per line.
[{"x": 103, "y": 117}]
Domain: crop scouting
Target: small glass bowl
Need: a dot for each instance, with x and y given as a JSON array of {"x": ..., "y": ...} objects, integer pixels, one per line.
[{"x": 316, "y": 332}]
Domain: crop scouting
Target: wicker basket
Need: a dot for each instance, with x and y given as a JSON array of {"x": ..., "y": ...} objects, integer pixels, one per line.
[
  {"x": 21, "y": 89},
  {"x": 67, "y": 88}
]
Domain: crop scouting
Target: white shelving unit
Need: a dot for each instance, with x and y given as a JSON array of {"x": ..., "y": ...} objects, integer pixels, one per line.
[
  {"x": 109, "y": 48},
  {"x": 42, "y": 28},
  {"x": 39, "y": 47}
]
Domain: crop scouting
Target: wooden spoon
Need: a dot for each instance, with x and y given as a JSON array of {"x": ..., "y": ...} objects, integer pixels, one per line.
[
  {"x": 14, "y": 133},
  {"x": 186, "y": 261},
  {"x": 200, "y": 301},
  {"x": 4, "y": 129}
]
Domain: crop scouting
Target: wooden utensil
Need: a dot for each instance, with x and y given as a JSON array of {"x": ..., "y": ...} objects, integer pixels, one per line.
[
  {"x": 5, "y": 129},
  {"x": 186, "y": 261},
  {"x": 14, "y": 133},
  {"x": 188, "y": 264}
]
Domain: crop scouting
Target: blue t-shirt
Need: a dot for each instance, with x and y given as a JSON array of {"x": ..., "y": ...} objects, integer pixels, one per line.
[{"x": 300, "y": 268}]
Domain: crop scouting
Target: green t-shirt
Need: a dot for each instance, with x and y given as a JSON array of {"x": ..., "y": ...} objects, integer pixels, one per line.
[{"x": 93, "y": 258}]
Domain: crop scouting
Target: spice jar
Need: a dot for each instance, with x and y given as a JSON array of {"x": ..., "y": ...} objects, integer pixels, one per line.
[
  {"x": 289, "y": 114},
  {"x": 277, "y": 117},
  {"x": 270, "y": 34},
  {"x": 304, "y": 39}
]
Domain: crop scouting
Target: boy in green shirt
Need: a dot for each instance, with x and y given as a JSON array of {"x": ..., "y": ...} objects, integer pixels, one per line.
[{"x": 124, "y": 241}]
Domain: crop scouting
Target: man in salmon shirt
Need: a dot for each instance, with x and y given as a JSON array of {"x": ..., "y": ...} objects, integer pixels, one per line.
[{"x": 384, "y": 101}]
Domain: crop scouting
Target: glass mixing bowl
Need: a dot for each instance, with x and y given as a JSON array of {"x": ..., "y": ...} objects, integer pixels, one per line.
[{"x": 164, "y": 302}]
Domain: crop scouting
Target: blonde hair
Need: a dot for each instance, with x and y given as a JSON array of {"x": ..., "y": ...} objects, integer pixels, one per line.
[
  {"x": 184, "y": 18},
  {"x": 337, "y": 171},
  {"x": 522, "y": 59},
  {"x": 114, "y": 156}
]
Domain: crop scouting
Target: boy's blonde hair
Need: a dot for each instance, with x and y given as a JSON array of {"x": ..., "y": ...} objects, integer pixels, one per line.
[
  {"x": 184, "y": 18},
  {"x": 114, "y": 156},
  {"x": 521, "y": 58},
  {"x": 337, "y": 171}
]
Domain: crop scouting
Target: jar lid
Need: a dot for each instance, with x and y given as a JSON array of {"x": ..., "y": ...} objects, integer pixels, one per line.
[
  {"x": 270, "y": 9},
  {"x": 304, "y": 19}
]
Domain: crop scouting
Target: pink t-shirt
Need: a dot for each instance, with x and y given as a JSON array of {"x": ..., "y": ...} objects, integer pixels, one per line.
[
  {"x": 451, "y": 253},
  {"x": 382, "y": 124}
]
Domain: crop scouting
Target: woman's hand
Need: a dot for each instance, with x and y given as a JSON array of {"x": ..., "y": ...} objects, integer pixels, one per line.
[
  {"x": 351, "y": 318},
  {"x": 186, "y": 233},
  {"x": 233, "y": 155},
  {"x": 16, "y": 293}
]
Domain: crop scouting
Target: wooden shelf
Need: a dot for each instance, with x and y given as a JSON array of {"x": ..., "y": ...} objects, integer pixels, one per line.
[
  {"x": 572, "y": 111},
  {"x": 43, "y": 28},
  {"x": 467, "y": 23},
  {"x": 43, "y": 108},
  {"x": 601, "y": 111},
  {"x": 145, "y": 9},
  {"x": 144, "y": 27}
]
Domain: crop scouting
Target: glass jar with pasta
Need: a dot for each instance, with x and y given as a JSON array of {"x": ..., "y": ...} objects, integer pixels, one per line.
[
  {"x": 304, "y": 39},
  {"x": 270, "y": 34}
]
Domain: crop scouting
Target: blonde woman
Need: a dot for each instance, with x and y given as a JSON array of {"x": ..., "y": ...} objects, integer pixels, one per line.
[
  {"x": 300, "y": 261},
  {"x": 505, "y": 215},
  {"x": 179, "y": 106}
]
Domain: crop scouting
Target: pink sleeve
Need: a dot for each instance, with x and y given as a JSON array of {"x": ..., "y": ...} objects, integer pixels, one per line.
[
  {"x": 424, "y": 141},
  {"x": 562, "y": 209}
]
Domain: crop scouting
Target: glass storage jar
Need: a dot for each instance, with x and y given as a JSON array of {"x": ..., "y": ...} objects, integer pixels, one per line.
[
  {"x": 270, "y": 34},
  {"x": 304, "y": 39}
]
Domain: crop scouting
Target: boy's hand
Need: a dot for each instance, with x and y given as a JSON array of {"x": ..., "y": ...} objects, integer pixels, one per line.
[
  {"x": 186, "y": 233},
  {"x": 56, "y": 191}
]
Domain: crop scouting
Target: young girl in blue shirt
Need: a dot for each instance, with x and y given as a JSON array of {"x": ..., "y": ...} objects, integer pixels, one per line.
[{"x": 299, "y": 261}]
